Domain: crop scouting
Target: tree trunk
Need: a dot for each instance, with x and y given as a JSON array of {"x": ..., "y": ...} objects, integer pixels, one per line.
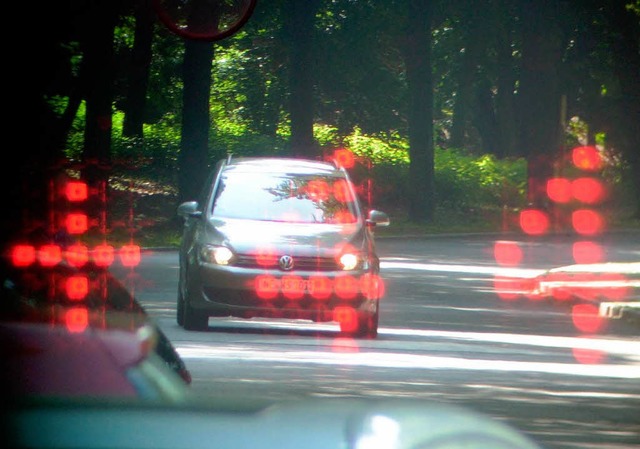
[
  {"x": 98, "y": 78},
  {"x": 198, "y": 55},
  {"x": 539, "y": 97},
  {"x": 139, "y": 71},
  {"x": 417, "y": 57},
  {"x": 301, "y": 99},
  {"x": 466, "y": 76}
]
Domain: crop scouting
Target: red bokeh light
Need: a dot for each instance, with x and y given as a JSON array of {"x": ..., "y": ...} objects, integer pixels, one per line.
[
  {"x": 347, "y": 317},
  {"x": 318, "y": 190},
  {"x": 23, "y": 255},
  {"x": 77, "y": 287},
  {"x": 507, "y": 253},
  {"x": 320, "y": 287},
  {"x": 588, "y": 190},
  {"x": 341, "y": 191},
  {"x": 372, "y": 286},
  {"x": 76, "y": 319},
  {"x": 512, "y": 288},
  {"x": 346, "y": 287},
  {"x": 103, "y": 255},
  {"x": 586, "y": 158},
  {"x": 585, "y": 252},
  {"x": 559, "y": 190},
  {"x": 534, "y": 222},
  {"x": 587, "y": 222},
  {"x": 293, "y": 287},
  {"x": 266, "y": 257},
  {"x": 49, "y": 255},
  {"x": 586, "y": 318},
  {"x": 77, "y": 255},
  {"x": 588, "y": 356},
  {"x": 77, "y": 223},
  {"x": 130, "y": 255},
  {"x": 76, "y": 191},
  {"x": 344, "y": 158},
  {"x": 266, "y": 287}
]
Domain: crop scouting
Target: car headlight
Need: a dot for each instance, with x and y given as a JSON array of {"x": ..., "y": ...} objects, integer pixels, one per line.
[
  {"x": 220, "y": 255},
  {"x": 350, "y": 261}
]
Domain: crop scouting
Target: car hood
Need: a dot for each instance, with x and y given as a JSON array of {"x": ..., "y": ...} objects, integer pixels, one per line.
[{"x": 251, "y": 236}]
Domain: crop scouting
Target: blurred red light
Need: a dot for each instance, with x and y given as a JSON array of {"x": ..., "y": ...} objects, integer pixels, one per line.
[
  {"x": 344, "y": 216},
  {"x": 266, "y": 287},
  {"x": 587, "y": 222},
  {"x": 320, "y": 287},
  {"x": 318, "y": 190},
  {"x": 586, "y": 158},
  {"x": 512, "y": 288},
  {"x": 586, "y": 318},
  {"x": 23, "y": 255},
  {"x": 77, "y": 288},
  {"x": 588, "y": 356},
  {"x": 344, "y": 158},
  {"x": 103, "y": 255},
  {"x": 587, "y": 252},
  {"x": 347, "y": 317},
  {"x": 76, "y": 191},
  {"x": 346, "y": 287},
  {"x": 534, "y": 222},
  {"x": 588, "y": 190},
  {"x": 77, "y": 223},
  {"x": 76, "y": 319},
  {"x": 292, "y": 287},
  {"x": 77, "y": 255},
  {"x": 130, "y": 255},
  {"x": 507, "y": 253},
  {"x": 266, "y": 257},
  {"x": 372, "y": 286},
  {"x": 341, "y": 191},
  {"x": 49, "y": 255},
  {"x": 559, "y": 190}
]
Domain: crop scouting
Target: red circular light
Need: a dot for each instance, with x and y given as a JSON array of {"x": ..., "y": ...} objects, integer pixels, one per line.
[
  {"x": 587, "y": 252},
  {"x": 586, "y": 158},
  {"x": 559, "y": 190},
  {"x": 587, "y": 222},
  {"x": 587, "y": 190},
  {"x": 23, "y": 255},
  {"x": 507, "y": 253},
  {"x": 534, "y": 222}
]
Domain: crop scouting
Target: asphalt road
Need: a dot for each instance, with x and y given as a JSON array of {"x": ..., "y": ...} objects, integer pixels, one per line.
[{"x": 445, "y": 335}]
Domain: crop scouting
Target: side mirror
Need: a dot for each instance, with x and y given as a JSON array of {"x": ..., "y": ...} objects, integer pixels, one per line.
[
  {"x": 378, "y": 218},
  {"x": 189, "y": 209}
]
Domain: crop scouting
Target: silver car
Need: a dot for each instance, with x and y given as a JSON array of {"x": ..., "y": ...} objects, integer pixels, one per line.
[{"x": 280, "y": 238}]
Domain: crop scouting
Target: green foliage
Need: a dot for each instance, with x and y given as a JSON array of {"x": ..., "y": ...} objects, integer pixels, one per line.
[{"x": 465, "y": 181}]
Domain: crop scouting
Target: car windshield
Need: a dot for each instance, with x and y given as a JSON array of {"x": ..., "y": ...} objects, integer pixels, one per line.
[
  {"x": 427, "y": 200},
  {"x": 288, "y": 198}
]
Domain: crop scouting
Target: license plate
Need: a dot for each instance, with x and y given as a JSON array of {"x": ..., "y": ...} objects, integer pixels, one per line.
[{"x": 294, "y": 285}]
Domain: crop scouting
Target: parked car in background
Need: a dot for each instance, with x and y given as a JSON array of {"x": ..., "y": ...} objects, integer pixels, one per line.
[{"x": 280, "y": 237}]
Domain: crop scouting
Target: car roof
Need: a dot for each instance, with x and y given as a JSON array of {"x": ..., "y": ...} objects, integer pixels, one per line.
[{"x": 282, "y": 165}]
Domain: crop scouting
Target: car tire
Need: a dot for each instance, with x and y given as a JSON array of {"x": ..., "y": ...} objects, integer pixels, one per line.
[
  {"x": 194, "y": 320},
  {"x": 180, "y": 308}
]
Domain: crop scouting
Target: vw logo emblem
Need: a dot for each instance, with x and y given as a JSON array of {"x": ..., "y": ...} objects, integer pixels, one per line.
[{"x": 286, "y": 263}]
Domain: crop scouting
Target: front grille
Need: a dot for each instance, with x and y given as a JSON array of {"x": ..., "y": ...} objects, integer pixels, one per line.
[{"x": 300, "y": 263}]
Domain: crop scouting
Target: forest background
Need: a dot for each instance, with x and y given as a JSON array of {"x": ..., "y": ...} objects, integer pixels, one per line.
[{"x": 457, "y": 111}]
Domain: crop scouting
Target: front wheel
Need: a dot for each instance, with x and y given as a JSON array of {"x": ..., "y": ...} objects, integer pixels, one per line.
[
  {"x": 180, "y": 308},
  {"x": 194, "y": 320}
]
